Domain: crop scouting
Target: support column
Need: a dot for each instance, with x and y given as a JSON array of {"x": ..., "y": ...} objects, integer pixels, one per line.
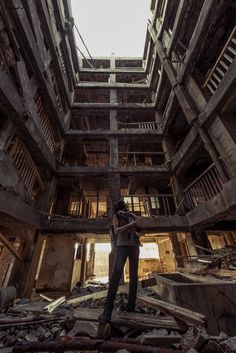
[
  {"x": 114, "y": 178},
  {"x": 30, "y": 280},
  {"x": 169, "y": 151},
  {"x": 176, "y": 249}
]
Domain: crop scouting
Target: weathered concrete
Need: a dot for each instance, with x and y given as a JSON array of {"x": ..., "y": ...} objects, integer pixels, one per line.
[
  {"x": 102, "y": 225},
  {"x": 217, "y": 208},
  {"x": 11, "y": 205},
  {"x": 210, "y": 297}
]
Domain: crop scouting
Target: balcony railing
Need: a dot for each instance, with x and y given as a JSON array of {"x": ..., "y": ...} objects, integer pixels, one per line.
[
  {"x": 146, "y": 125},
  {"x": 135, "y": 159},
  {"x": 44, "y": 122},
  {"x": 151, "y": 205},
  {"x": 204, "y": 188},
  {"x": 25, "y": 165},
  {"x": 222, "y": 64}
]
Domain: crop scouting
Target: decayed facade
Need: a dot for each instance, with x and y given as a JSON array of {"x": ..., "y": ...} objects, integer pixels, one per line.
[{"x": 76, "y": 135}]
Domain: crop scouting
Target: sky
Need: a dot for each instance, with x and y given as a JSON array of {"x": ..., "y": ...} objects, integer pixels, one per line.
[{"x": 112, "y": 26}]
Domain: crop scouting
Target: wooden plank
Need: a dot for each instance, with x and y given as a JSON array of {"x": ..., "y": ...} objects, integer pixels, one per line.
[
  {"x": 188, "y": 316},
  {"x": 96, "y": 295},
  {"x": 133, "y": 320},
  {"x": 11, "y": 248},
  {"x": 55, "y": 304}
]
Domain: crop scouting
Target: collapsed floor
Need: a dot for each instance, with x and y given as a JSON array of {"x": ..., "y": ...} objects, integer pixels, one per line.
[{"x": 53, "y": 321}]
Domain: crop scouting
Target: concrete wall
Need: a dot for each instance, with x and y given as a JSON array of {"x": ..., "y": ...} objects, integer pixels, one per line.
[
  {"x": 57, "y": 265},
  {"x": 224, "y": 144},
  {"x": 9, "y": 176}
]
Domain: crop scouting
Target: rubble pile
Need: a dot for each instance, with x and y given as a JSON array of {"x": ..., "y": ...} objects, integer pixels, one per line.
[{"x": 71, "y": 323}]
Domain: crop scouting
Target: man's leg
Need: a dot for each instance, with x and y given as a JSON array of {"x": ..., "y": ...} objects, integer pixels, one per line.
[
  {"x": 133, "y": 270},
  {"x": 120, "y": 259}
]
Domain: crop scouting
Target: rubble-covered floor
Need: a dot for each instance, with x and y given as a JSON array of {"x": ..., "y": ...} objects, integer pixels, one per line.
[{"x": 70, "y": 323}]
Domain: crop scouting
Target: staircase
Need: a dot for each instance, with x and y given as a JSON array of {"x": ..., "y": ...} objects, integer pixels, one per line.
[{"x": 222, "y": 64}]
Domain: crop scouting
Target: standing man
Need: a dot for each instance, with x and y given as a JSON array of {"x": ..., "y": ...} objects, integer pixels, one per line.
[{"x": 127, "y": 246}]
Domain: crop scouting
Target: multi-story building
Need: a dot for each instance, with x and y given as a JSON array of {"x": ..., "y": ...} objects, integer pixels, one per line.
[{"x": 77, "y": 135}]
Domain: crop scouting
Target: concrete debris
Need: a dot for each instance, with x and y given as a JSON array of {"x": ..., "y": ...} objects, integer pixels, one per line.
[
  {"x": 229, "y": 345},
  {"x": 27, "y": 326}
]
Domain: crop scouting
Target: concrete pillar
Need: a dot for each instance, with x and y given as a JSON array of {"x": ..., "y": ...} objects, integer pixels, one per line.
[
  {"x": 176, "y": 249},
  {"x": 30, "y": 280},
  {"x": 222, "y": 132}
]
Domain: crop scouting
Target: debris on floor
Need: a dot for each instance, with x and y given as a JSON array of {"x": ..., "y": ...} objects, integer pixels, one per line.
[{"x": 70, "y": 322}]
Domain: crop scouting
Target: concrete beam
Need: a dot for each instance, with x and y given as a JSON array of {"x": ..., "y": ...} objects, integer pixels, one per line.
[
  {"x": 118, "y": 70},
  {"x": 102, "y": 225},
  {"x": 12, "y": 206},
  {"x": 117, "y": 85},
  {"x": 185, "y": 148},
  {"x": 57, "y": 224},
  {"x": 73, "y": 135},
  {"x": 109, "y": 106},
  {"x": 71, "y": 171}
]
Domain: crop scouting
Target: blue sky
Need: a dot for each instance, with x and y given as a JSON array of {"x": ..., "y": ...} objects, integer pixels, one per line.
[{"x": 112, "y": 26}]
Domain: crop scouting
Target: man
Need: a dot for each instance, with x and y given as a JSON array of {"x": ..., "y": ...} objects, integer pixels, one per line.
[{"x": 127, "y": 246}]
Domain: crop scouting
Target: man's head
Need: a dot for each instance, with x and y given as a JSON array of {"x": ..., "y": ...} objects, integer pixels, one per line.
[{"x": 120, "y": 206}]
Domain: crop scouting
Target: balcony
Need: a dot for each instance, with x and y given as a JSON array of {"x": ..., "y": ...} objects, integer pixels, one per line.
[
  {"x": 204, "y": 188},
  {"x": 144, "y": 126},
  {"x": 222, "y": 64},
  {"x": 26, "y": 167},
  {"x": 151, "y": 205},
  {"x": 44, "y": 122},
  {"x": 137, "y": 159}
]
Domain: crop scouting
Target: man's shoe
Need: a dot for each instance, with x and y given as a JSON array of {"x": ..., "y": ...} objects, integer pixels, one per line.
[{"x": 105, "y": 317}]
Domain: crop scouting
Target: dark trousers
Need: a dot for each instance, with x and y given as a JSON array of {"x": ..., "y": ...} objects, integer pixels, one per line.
[{"x": 122, "y": 253}]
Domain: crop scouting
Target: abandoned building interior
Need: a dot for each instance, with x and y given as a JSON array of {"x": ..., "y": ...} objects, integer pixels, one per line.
[{"x": 78, "y": 133}]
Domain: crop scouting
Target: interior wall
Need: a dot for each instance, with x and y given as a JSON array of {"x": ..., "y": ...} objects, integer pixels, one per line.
[{"x": 167, "y": 257}]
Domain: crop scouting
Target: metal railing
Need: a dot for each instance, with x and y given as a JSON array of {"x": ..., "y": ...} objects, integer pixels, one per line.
[
  {"x": 151, "y": 205},
  {"x": 135, "y": 159},
  {"x": 55, "y": 88},
  {"x": 25, "y": 165},
  {"x": 222, "y": 64},
  {"x": 146, "y": 125},
  {"x": 44, "y": 122},
  {"x": 204, "y": 188}
]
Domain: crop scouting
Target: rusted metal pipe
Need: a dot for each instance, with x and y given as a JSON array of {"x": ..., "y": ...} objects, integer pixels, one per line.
[{"x": 87, "y": 344}]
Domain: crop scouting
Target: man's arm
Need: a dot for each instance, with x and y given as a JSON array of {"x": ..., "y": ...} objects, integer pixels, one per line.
[{"x": 118, "y": 229}]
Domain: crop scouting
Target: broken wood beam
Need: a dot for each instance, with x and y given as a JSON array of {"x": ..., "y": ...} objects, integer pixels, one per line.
[
  {"x": 133, "y": 320},
  {"x": 87, "y": 344},
  {"x": 4, "y": 324},
  {"x": 188, "y": 316},
  {"x": 46, "y": 298},
  {"x": 55, "y": 304},
  {"x": 93, "y": 296},
  {"x": 11, "y": 248},
  {"x": 159, "y": 341}
]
